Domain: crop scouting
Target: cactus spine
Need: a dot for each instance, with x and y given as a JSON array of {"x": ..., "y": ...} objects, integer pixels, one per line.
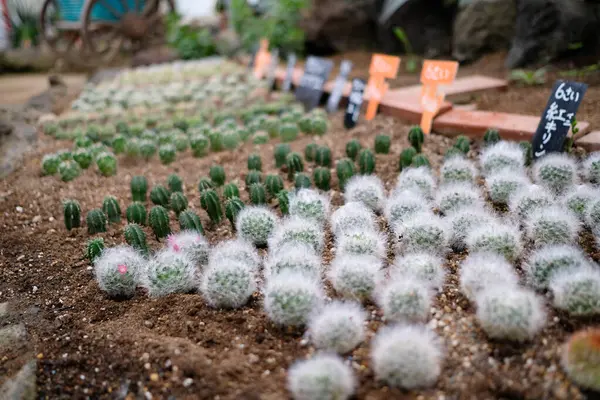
[
  {"x": 159, "y": 222},
  {"x": 136, "y": 238},
  {"x": 72, "y": 214},
  {"x": 139, "y": 187},
  {"x": 189, "y": 221},
  {"x": 209, "y": 201},
  {"x": 96, "y": 221}
]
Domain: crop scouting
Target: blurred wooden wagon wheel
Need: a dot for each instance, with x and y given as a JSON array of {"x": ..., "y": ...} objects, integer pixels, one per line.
[{"x": 109, "y": 26}]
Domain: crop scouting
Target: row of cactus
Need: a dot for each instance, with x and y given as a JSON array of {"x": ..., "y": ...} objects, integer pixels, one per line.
[{"x": 69, "y": 165}]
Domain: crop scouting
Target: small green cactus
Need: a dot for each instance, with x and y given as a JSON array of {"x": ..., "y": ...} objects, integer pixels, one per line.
[
  {"x": 260, "y": 137},
  {"x": 366, "y": 162},
  {"x": 453, "y": 152},
  {"x": 420, "y": 160},
  {"x": 167, "y": 153},
  {"x": 301, "y": 181},
  {"x": 147, "y": 149},
  {"x": 159, "y": 195},
  {"x": 209, "y": 201},
  {"x": 305, "y": 124},
  {"x": 64, "y": 155},
  {"x": 94, "y": 248},
  {"x": 205, "y": 183},
  {"x": 416, "y": 137},
  {"x": 216, "y": 141},
  {"x": 256, "y": 224},
  {"x": 231, "y": 139},
  {"x": 294, "y": 164},
  {"x": 463, "y": 144},
  {"x": 107, "y": 164},
  {"x": 323, "y": 156},
  {"x": 83, "y": 157},
  {"x": 382, "y": 144},
  {"x": 288, "y": 132},
  {"x": 159, "y": 222},
  {"x": 344, "y": 170},
  {"x": 217, "y": 175},
  {"x": 95, "y": 221},
  {"x": 178, "y": 202},
  {"x": 491, "y": 137},
  {"x": 132, "y": 147},
  {"x": 72, "y": 214},
  {"x": 68, "y": 170},
  {"x": 319, "y": 126},
  {"x": 281, "y": 152},
  {"x": 273, "y": 184},
  {"x": 322, "y": 178},
  {"x": 189, "y": 221},
  {"x": 253, "y": 177},
  {"x": 557, "y": 172},
  {"x": 139, "y": 187},
  {"x": 254, "y": 162},
  {"x": 283, "y": 200},
  {"x": 136, "y": 238},
  {"x": 110, "y": 206},
  {"x": 231, "y": 190},
  {"x": 353, "y": 147},
  {"x": 50, "y": 164},
  {"x": 233, "y": 206},
  {"x": 199, "y": 144},
  {"x": 272, "y": 126},
  {"x": 258, "y": 194},
  {"x": 136, "y": 213},
  {"x": 175, "y": 183},
  {"x": 310, "y": 151}
]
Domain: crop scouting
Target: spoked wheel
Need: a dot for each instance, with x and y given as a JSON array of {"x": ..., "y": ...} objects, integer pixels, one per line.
[{"x": 128, "y": 25}]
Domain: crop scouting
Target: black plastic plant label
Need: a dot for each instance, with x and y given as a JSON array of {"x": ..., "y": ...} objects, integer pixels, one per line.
[
  {"x": 355, "y": 101},
  {"x": 556, "y": 120},
  {"x": 289, "y": 73},
  {"x": 338, "y": 87},
  {"x": 272, "y": 68},
  {"x": 310, "y": 89}
]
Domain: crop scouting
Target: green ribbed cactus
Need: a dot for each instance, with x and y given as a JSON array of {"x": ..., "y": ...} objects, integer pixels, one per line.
[
  {"x": 189, "y": 221},
  {"x": 82, "y": 141},
  {"x": 253, "y": 177},
  {"x": 83, "y": 157},
  {"x": 167, "y": 153},
  {"x": 366, "y": 162},
  {"x": 136, "y": 238},
  {"x": 68, "y": 170},
  {"x": 204, "y": 184},
  {"x": 319, "y": 126},
  {"x": 94, "y": 248},
  {"x": 95, "y": 221},
  {"x": 416, "y": 137},
  {"x": 273, "y": 184},
  {"x": 139, "y": 187},
  {"x": 233, "y": 206},
  {"x": 110, "y": 206},
  {"x": 136, "y": 213},
  {"x": 107, "y": 164},
  {"x": 72, "y": 214},
  {"x": 406, "y": 157},
  {"x": 452, "y": 152},
  {"x": 382, "y": 144},
  {"x": 254, "y": 162},
  {"x": 490, "y": 137},
  {"x": 310, "y": 151},
  {"x": 209, "y": 201},
  {"x": 159, "y": 195},
  {"x": 283, "y": 201},
  {"x": 231, "y": 190},
  {"x": 322, "y": 178},
  {"x": 302, "y": 180},
  {"x": 199, "y": 144},
  {"x": 272, "y": 126},
  {"x": 463, "y": 144},
  {"x": 420, "y": 160},
  {"x": 353, "y": 147},
  {"x": 147, "y": 149},
  {"x": 294, "y": 164},
  {"x": 288, "y": 132},
  {"x": 260, "y": 137},
  {"x": 258, "y": 194},
  {"x": 50, "y": 163},
  {"x": 217, "y": 175},
  {"x": 323, "y": 156},
  {"x": 280, "y": 153},
  {"x": 132, "y": 147},
  {"x": 159, "y": 222},
  {"x": 344, "y": 170},
  {"x": 175, "y": 183},
  {"x": 305, "y": 124},
  {"x": 178, "y": 202},
  {"x": 528, "y": 151}
]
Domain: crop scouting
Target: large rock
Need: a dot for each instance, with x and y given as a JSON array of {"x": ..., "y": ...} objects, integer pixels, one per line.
[
  {"x": 547, "y": 29},
  {"x": 482, "y": 26}
]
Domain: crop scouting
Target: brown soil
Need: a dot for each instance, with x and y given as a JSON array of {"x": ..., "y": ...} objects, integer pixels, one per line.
[{"x": 89, "y": 346}]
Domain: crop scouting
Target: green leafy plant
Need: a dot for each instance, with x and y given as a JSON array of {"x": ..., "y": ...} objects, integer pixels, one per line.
[
  {"x": 190, "y": 42},
  {"x": 528, "y": 78},
  {"x": 411, "y": 61}
]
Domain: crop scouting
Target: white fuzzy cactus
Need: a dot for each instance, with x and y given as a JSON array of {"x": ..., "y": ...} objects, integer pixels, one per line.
[
  {"x": 296, "y": 229},
  {"x": 118, "y": 270},
  {"x": 458, "y": 196},
  {"x": 256, "y": 224},
  {"x": 236, "y": 249},
  {"x": 510, "y": 313},
  {"x": 592, "y": 218},
  {"x": 580, "y": 199},
  {"x": 291, "y": 297},
  {"x": 325, "y": 376},
  {"x": 577, "y": 290},
  {"x": 362, "y": 242},
  {"x": 408, "y": 356},
  {"x": 356, "y": 277},
  {"x": 350, "y": 216},
  {"x": 405, "y": 299},
  {"x": 502, "y": 185},
  {"x": 424, "y": 266},
  {"x": 591, "y": 168},
  {"x": 549, "y": 260},
  {"x": 502, "y": 155},
  {"x": 463, "y": 222},
  {"x": 456, "y": 170},
  {"x": 309, "y": 204},
  {"x": 368, "y": 189},
  {"x": 423, "y": 232},
  {"x": 192, "y": 244},
  {"x": 556, "y": 171},
  {"x": 170, "y": 272},
  {"x": 228, "y": 284},
  {"x": 419, "y": 179},
  {"x": 498, "y": 238},
  {"x": 293, "y": 256},
  {"x": 552, "y": 225},
  {"x": 338, "y": 327},
  {"x": 480, "y": 271},
  {"x": 403, "y": 205},
  {"x": 529, "y": 198}
]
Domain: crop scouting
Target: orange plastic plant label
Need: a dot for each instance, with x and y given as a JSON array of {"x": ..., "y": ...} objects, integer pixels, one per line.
[
  {"x": 263, "y": 58},
  {"x": 439, "y": 72},
  {"x": 384, "y": 66},
  {"x": 376, "y": 89}
]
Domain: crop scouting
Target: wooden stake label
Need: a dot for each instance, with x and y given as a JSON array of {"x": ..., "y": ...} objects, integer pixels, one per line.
[
  {"x": 557, "y": 117},
  {"x": 434, "y": 75},
  {"x": 262, "y": 59},
  {"x": 382, "y": 67},
  {"x": 289, "y": 73},
  {"x": 310, "y": 89},
  {"x": 355, "y": 100}
]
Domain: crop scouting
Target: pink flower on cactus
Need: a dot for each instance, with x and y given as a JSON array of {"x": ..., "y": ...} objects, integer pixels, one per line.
[
  {"x": 122, "y": 268},
  {"x": 172, "y": 243}
]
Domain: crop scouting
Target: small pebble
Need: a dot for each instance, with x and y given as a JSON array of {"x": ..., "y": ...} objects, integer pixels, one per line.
[
  {"x": 19, "y": 209},
  {"x": 154, "y": 377},
  {"x": 187, "y": 382},
  {"x": 253, "y": 358}
]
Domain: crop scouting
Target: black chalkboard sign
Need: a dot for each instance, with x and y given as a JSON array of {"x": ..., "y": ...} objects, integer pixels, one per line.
[
  {"x": 289, "y": 72},
  {"x": 338, "y": 87},
  {"x": 310, "y": 89},
  {"x": 556, "y": 119},
  {"x": 355, "y": 101}
]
